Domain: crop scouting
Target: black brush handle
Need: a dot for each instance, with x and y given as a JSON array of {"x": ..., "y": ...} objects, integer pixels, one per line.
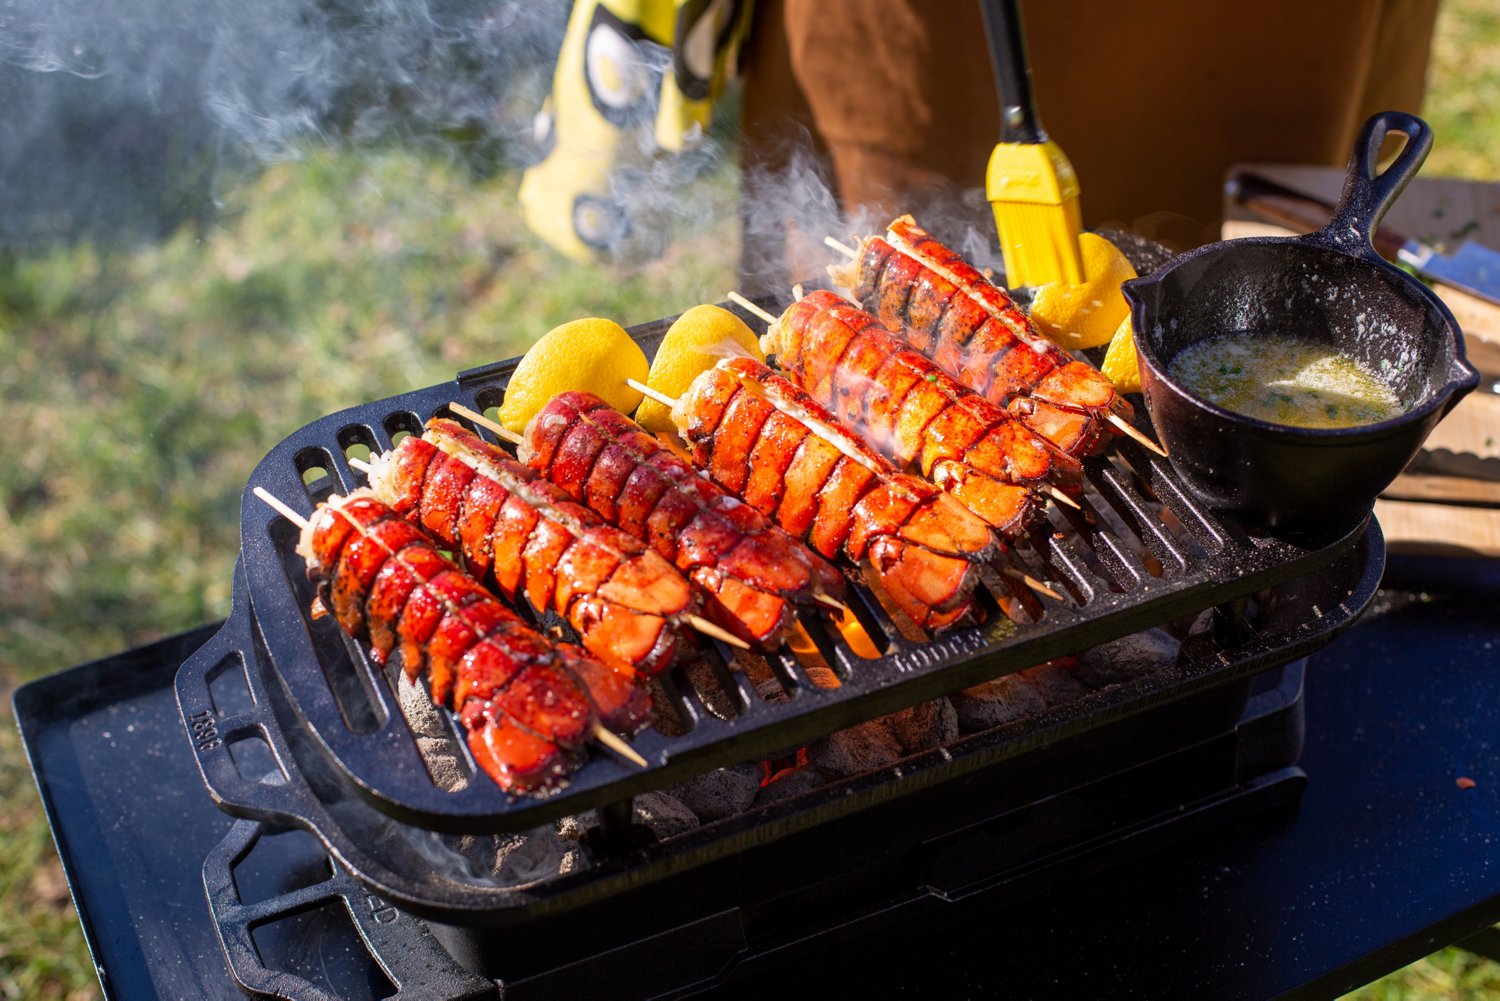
[{"x": 1007, "y": 38}]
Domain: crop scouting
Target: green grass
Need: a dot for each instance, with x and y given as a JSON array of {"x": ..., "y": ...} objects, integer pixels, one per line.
[
  {"x": 147, "y": 384},
  {"x": 143, "y": 385}
]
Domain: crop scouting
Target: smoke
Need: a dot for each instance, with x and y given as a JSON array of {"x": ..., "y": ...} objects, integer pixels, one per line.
[
  {"x": 125, "y": 120},
  {"x": 787, "y": 211},
  {"x": 121, "y": 116}
]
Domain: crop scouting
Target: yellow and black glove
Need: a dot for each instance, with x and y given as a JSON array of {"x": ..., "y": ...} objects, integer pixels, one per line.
[{"x": 634, "y": 79}]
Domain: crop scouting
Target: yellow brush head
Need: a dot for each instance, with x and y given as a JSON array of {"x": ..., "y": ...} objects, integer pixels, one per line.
[{"x": 1034, "y": 193}]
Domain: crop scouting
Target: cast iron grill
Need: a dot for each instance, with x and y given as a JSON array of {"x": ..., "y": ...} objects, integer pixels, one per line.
[{"x": 1139, "y": 554}]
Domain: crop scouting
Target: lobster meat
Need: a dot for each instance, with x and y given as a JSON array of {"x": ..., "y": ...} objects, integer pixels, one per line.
[
  {"x": 913, "y": 411},
  {"x": 527, "y": 704},
  {"x": 945, "y": 308},
  {"x": 523, "y": 536},
  {"x": 752, "y": 573},
  {"x": 759, "y": 436}
]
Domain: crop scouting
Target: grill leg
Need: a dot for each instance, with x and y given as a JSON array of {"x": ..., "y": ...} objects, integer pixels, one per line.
[
  {"x": 617, "y": 834},
  {"x": 1230, "y": 625}
]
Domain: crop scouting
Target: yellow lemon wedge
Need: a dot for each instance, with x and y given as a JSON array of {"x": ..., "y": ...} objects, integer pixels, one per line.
[
  {"x": 1121, "y": 366},
  {"x": 591, "y": 354},
  {"x": 1087, "y": 315},
  {"x": 695, "y": 342}
]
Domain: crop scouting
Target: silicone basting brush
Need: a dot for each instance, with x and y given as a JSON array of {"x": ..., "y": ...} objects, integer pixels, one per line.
[{"x": 1030, "y": 183}]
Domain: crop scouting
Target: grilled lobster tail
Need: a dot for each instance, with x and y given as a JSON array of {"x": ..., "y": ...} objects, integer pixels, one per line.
[
  {"x": 523, "y": 536},
  {"x": 943, "y": 307},
  {"x": 528, "y": 704},
  {"x": 913, "y": 411},
  {"x": 759, "y": 436},
  {"x": 752, "y": 574}
]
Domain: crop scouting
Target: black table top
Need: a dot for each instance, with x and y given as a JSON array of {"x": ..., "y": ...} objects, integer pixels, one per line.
[{"x": 1387, "y": 858}]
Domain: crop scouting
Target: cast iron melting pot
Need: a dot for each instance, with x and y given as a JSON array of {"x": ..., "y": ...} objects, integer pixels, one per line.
[{"x": 1330, "y": 287}]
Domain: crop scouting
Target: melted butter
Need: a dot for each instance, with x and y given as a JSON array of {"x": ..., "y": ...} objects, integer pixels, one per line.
[{"x": 1285, "y": 380}]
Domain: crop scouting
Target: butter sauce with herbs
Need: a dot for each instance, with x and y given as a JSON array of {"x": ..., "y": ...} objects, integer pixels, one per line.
[{"x": 1284, "y": 380}]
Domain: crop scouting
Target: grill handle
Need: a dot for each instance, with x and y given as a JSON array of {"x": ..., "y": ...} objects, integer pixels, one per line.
[
  {"x": 408, "y": 953},
  {"x": 280, "y": 797}
]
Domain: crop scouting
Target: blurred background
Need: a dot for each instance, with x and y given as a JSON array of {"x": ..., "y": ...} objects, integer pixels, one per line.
[{"x": 220, "y": 221}]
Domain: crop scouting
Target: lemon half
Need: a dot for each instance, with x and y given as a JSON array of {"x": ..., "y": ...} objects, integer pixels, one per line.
[
  {"x": 698, "y": 340},
  {"x": 592, "y": 354},
  {"x": 1087, "y": 315},
  {"x": 1121, "y": 364}
]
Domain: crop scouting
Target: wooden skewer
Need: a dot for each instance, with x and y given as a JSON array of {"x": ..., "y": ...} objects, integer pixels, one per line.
[
  {"x": 500, "y": 429},
  {"x": 602, "y": 735},
  {"x": 1061, "y": 497},
  {"x": 798, "y": 292},
  {"x": 707, "y": 628},
  {"x": 842, "y": 248},
  {"x": 1031, "y": 582},
  {"x": 750, "y": 307},
  {"x": 655, "y": 394},
  {"x": 280, "y": 506},
  {"x": 359, "y": 465},
  {"x": 1131, "y": 430},
  {"x": 830, "y": 601},
  {"x": 618, "y": 745}
]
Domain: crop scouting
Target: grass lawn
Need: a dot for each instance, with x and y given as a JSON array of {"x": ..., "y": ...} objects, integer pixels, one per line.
[{"x": 143, "y": 385}]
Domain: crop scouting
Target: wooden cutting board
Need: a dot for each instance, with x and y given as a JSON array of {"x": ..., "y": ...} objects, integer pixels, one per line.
[{"x": 1442, "y": 514}]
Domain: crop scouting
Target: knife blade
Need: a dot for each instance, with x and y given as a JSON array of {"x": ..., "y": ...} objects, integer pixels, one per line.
[{"x": 1472, "y": 268}]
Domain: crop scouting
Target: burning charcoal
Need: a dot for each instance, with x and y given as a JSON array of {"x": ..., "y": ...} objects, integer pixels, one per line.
[
  {"x": 855, "y": 750},
  {"x": 999, "y": 701},
  {"x": 1127, "y": 658},
  {"x": 720, "y": 794},
  {"x": 791, "y": 783},
  {"x": 1056, "y": 681},
  {"x": 664, "y": 814},
  {"x": 923, "y": 727}
]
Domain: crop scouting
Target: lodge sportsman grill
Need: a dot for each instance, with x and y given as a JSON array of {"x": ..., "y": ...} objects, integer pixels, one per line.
[
  {"x": 990, "y": 819},
  {"x": 1141, "y": 553}
]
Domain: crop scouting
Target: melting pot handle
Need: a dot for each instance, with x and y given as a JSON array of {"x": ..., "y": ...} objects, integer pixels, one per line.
[{"x": 1368, "y": 194}]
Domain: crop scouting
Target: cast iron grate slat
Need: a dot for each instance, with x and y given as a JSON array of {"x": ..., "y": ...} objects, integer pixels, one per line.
[{"x": 1120, "y": 565}]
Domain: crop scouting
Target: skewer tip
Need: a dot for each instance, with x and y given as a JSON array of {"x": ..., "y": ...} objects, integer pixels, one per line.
[
  {"x": 655, "y": 394},
  {"x": 750, "y": 307},
  {"x": 1033, "y": 583},
  {"x": 1135, "y": 433},
  {"x": 617, "y": 744},
  {"x": 503, "y": 432},
  {"x": 280, "y": 506},
  {"x": 829, "y": 601},
  {"x": 708, "y": 628},
  {"x": 842, "y": 248},
  {"x": 1062, "y": 498}
]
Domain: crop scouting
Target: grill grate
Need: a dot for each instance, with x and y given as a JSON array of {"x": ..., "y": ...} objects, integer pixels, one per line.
[{"x": 1139, "y": 553}]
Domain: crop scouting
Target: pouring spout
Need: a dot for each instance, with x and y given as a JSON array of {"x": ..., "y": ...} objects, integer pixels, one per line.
[{"x": 1145, "y": 298}]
